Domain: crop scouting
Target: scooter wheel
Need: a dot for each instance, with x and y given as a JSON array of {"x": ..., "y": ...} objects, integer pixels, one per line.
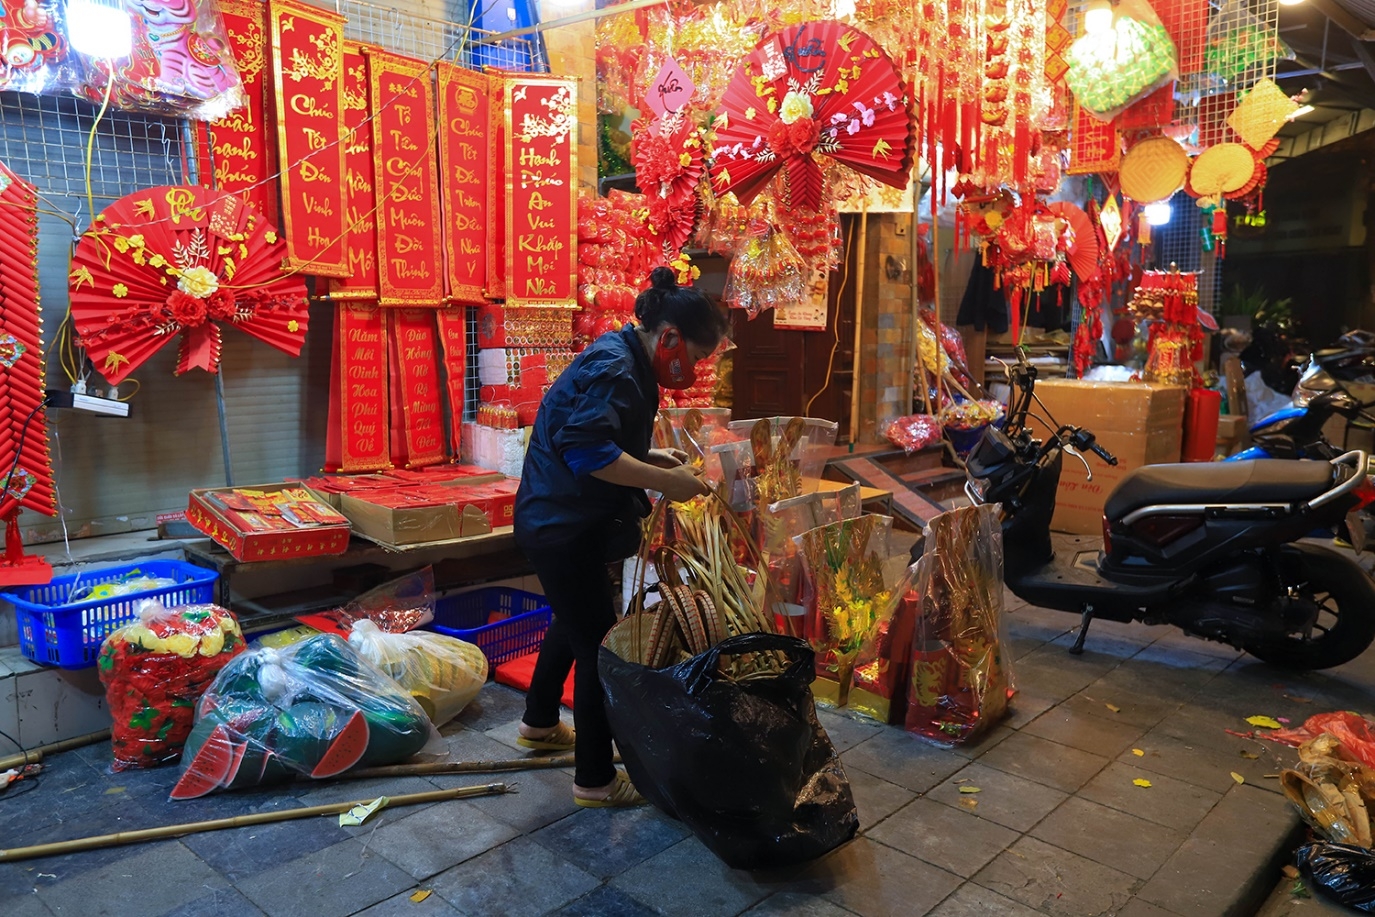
[{"x": 1345, "y": 598}]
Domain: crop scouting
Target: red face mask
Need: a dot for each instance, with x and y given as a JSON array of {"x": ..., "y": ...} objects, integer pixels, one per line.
[{"x": 672, "y": 365}]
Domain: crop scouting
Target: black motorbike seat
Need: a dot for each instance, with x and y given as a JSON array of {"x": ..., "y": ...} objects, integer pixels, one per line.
[{"x": 1213, "y": 483}]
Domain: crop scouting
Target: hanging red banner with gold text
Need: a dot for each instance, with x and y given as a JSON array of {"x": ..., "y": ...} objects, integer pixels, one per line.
[
  {"x": 453, "y": 339},
  {"x": 308, "y": 83},
  {"x": 464, "y": 111},
  {"x": 360, "y": 203},
  {"x": 357, "y": 435},
  {"x": 541, "y": 191},
  {"x": 243, "y": 157},
  {"x": 496, "y": 189},
  {"x": 417, "y": 415},
  {"x": 408, "y": 233}
]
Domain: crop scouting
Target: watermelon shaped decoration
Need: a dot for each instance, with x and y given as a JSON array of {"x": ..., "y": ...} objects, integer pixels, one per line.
[{"x": 314, "y": 709}]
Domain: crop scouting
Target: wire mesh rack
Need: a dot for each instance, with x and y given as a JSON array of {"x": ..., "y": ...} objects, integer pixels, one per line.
[{"x": 1180, "y": 242}]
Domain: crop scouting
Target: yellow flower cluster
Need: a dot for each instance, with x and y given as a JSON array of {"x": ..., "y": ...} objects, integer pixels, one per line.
[{"x": 183, "y": 645}]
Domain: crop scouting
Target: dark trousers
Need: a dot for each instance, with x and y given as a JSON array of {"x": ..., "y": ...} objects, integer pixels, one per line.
[{"x": 578, "y": 588}]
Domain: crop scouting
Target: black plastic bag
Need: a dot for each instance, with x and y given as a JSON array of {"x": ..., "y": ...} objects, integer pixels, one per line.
[
  {"x": 1342, "y": 873},
  {"x": 745, "y": 765}
]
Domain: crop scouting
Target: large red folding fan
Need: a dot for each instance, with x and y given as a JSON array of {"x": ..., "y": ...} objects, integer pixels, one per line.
[
  {"x": 817, "y": 87},
  {"x": 177, "y": 260}
]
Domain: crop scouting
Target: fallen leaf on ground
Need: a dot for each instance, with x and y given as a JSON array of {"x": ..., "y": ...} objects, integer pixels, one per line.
[
  {"x": 1138, "y": 752},
  {"x": 1141, "y": 782},
  {"x": 969, "y": 803},
  {"x": 1113, "y": 707},
  {"x": 970, "y": 789},
  {"x": 114, "y": 790},
  {"x": 1264, "y": 722},
  {"x": 1238, "y": 778},
  {"x": 1298, "y": 700},
  {"x": 1250, "y": 755},
  {"x": 1290, "y": 872},
  {"x": 421, "y": 894}
]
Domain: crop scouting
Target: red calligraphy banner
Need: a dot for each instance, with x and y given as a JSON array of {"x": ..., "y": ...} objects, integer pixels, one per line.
[
  {"x": 243, "y": 158},
  {"x": 1095, "y": 145},
  {"x": 453, "y": 340},
  {"x": 417, "y": 414},
  {"x": 408, "y": 227},
  {"x": 308, "y": 82},
  {"x": 357, "y": 437},
  {"x": 541, "y": 191},
  {"x": 496, "y": 189},
  {"x": 464, "y": 113},
  {"x": 360, "y": 203}
]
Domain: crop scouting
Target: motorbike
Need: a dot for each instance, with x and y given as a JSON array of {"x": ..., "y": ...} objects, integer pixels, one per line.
[{"x": 1211, "y": 548}]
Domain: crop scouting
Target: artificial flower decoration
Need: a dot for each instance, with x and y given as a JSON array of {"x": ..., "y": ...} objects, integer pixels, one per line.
[
  {"x": 174, "y": 261},
  {"x": 668, "y": 156},
  {"x": 817, "y": 87}
]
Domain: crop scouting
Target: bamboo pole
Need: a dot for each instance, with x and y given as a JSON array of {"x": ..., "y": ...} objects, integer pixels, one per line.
[
  {"x": 34, "y": 755},
  {"x": 859, "y": 322},
  {"x": 57, "y": 848},
  {"x": 431, "y": 768}
]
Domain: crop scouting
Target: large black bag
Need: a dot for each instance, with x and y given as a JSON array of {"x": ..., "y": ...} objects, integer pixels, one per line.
[
  {"x": 1341, "y": 872},
  {"x": 745, "y": 765}
]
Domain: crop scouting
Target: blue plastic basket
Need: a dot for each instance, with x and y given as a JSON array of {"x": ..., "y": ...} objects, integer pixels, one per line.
[
  {"x": 465, "y": 616},
  {"x": 53, "y": 631}
]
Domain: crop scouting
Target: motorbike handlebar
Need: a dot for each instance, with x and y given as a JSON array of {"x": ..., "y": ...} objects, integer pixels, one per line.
[{"x": 1103, "y": 454}]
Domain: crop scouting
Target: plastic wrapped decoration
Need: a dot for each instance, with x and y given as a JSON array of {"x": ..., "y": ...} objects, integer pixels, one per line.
[
  {"x": 442, "y": 673},
  {"x": 154, "y": 671},
  {"x": 961, "y": 679},
  {"x": 34, "y": 54},
  {"x": 766, "y": 271},
  {"x": 1170, "y": 300},
  {"x": 316, "y": 709},
  {"x": 397, "y": 605},
  {"x": 965, "y": 421},
  {"x": 695, "y": 431},
  {"x": 879, "y": 683},
  {"x": 1239, "y": 45},
  {"x": 776, "y": 525},
  {"x": 1110, "y": 70},
  {"x": 1332, "y": 790},
  {"x": 783, "y": 457},
  {"x": 914, "y": 432}
]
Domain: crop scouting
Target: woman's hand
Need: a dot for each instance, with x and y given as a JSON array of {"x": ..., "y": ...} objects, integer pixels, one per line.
[
  {"x": 683, "y": 482},
  {"x": 666, "y": 458}
]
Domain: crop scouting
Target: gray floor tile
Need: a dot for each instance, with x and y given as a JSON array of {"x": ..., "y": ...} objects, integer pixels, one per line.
[
  {"x": 1138, "y": 908},
  {"x": 1150, "y": 677},
  {"x": 714, "y": 890},
  {"x": 1182, "y": 655},
  {"x": 123, "y": 887},
  {"x": 605, "y": 901},
  {"x": 1117, "y": 643},
  {"x": 796, "y": 904},
  {"x": 1110, "y": 837},
  {"x": 540, "y": 798},
  {"x": 1093, "y": 734},
  {"x": 970, "y": 900},
  {"x": 518, "y": 879},
  {"x": 1206, "y": 734},
  {"x": 607, "y": 842},
  {"x": 1169, "y": 802},
  {"x": 402, "y": 906},
  {"x": 1133, "y": 708},
  {"x": 348, "y": 790},
  {"x": 1027, "y": 705},
  {"x": 238, "y": 853},
  {"x": 955, "y": 840},
  {"x": 27, "y": 905},
  {"x": 900, "y": 758},
  {"x": 876, "y": 799},
  {"x": 337, "y": 880},
  {"x": 983, "y": 742},
  {"x": 494, "y": 705},
  {"x": 847, "y": 731},
  {"x": 1056, "y": 882},
  {"x": 1059, "y": 766},
  {"x": 1183, "y": 761},
  {"x": 431, "y": 840},
  {"x": 226, "y": 902},
  {"x": 1007, "y": 800},
  {"x": 874, "y": 880}
]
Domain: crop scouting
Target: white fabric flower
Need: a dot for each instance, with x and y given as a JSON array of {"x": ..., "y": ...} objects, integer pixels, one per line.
[
  {"x": 198, "y": 281},
  {"x": 795, "y": 105}
]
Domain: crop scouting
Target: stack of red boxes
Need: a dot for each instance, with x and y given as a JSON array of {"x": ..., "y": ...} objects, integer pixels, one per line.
[{"x": 520, "y": 352}]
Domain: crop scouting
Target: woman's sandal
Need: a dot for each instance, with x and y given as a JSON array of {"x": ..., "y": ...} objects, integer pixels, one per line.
[
  {"x": 561, "y": 738},
  {"x": 623, "y": 795}
]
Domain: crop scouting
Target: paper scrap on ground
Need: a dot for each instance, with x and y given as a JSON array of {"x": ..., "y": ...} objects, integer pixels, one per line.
[
  {"x": 1250, "y": 755},
  {"x": 361, "y": 812},
  {"x": 1238, "y": 778},
  {"x": 1141, "y": 782},
  {"x": 1113, "y": 707},
  {"x": 420, "y": 895},
  {"x": 970, "y": 789},
  {"x": 1264, "y": 722},
  {"x": 1138, "y": 752}
]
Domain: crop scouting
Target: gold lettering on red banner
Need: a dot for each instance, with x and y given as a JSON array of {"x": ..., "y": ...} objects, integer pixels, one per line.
[
  {"x": 541, "y": 178},
  {"x": 308, "y": 82},
  {"x": 497, "y": 191},
  {"x": 360, "y": 201},
  {"x": 453, "y": 339},
  {"x": 242, "y": 157},
  {"x": 464, "y": 113},
  {"x": 357, "y": 438},
  {"x": 418, "y": 431}
]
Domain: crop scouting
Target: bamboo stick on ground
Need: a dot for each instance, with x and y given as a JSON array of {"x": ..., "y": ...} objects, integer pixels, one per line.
[
  {"x": 35, "y": 755},
  {"x": 432, "y": 768},
  {"x": 76, "y": 845}
]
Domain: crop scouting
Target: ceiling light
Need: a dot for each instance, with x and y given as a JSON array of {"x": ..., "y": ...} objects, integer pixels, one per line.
[
  {"x": 100, "y": 29},
  {"x": 1290, "y": 2},
  {"x": 1159, "y": 213},
  {"x": 1300, "y": 112},
  {"x": 1098, "y": 17}
]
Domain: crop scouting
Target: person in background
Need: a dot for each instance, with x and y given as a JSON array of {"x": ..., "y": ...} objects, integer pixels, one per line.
[{"x": 580, "y": 505}]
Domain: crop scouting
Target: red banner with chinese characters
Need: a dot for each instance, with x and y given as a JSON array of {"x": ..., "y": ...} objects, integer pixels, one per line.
[
  {"x": 541, "y": 191},
  {"x": 409, "y": 268},
  {"x": 464, "y": 112},
  {"x": 308, "y": 83},
  {"x": 360, "y": 204},
  {"x": 1094, "y": 145},
  {"x": 453, "y": 340},
  {"x": 357, "y": 436},
  {"x": 243, "y": 156},
  {"x": 417, "y": 414},
  {"x": 496, "y": 188}
]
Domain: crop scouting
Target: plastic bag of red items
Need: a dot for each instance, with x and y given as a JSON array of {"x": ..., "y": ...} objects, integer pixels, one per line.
[
  {"x": 155, "y": 669},
  {"x": 1356, "y": 734},
  {"x": 615, "y": 253},
  {"x": 914, "y": 432}
]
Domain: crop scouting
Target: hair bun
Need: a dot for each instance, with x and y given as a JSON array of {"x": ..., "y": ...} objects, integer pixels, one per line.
[{"x": 663, "y": 278}]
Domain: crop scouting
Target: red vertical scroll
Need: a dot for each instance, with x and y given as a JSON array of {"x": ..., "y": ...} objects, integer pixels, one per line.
[
  {"x": 243, "y": 157},
  {"x": 541, "y": 191},
  {"x": 408, "y": 228},
  {"x": 417, "y": 418},
  {"x": 357, "y": 435},
  {"x": 453, "y": 340},
  {"x": 360, "y": 203},
  {"x": 496, "y": 188},
  {"x": 308, "y": 83},
  {"x": 464, "y": 114}
]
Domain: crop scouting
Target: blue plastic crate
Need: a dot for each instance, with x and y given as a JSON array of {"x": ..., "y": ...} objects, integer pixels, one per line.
[
  {"x": 53, "y": 631},
  {"x": 465, "y": 616}
]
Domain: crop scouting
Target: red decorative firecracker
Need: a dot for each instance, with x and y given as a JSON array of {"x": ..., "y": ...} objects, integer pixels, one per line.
[{"x": 1169, "y": 300}]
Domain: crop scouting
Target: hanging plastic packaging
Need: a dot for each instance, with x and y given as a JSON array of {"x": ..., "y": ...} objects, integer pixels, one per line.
[
  {"x": 913, "y": 433},
  {"x": 155, "y": 670},
  {"x": 765, "y": 272},
  {"x": 1111, "y": 69},
  {"x": 442, "y": 673},
  {"x": 35, "y": 55},
  {"x": 961, "y": 679},
  {"x": 316, "y": 708},
  {"x": 1240, "y": 46}
]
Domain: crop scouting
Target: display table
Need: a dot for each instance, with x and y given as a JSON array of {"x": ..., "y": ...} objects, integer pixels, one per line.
[{"x": 867, "y": 495}]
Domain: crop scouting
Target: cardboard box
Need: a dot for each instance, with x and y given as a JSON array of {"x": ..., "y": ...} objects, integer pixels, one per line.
[
  {"x": 416, "y": 515},
  {"x": 1140, "y": 423},
  {"x": 206, "y": 513}
]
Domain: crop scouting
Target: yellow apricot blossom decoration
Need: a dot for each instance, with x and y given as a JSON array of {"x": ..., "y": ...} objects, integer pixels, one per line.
[{"x": 120, "y": 291}]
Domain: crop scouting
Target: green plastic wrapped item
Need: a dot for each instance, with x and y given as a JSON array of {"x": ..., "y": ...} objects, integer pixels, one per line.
[
  {"x": 1240, "y": 46},
  {"x": 1111, "y": 69},
  {"x": 315, "y": 708}
]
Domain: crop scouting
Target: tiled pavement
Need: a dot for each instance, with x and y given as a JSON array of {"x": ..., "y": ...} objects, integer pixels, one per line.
[{"x": 1058, "y": 827}]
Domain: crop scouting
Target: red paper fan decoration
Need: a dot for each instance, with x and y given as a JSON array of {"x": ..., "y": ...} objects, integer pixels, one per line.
[
  {"x": 668, "y": 155},
  {"x": 178, "y": 260},
  {"x": 1083, "y": 254},
  {"x": 817, "y": 87}
]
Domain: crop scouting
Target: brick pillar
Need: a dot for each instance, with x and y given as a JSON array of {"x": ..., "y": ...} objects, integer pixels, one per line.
[
  {"x": 573, "y": 52},
  {"x": 885, "y": 371}
]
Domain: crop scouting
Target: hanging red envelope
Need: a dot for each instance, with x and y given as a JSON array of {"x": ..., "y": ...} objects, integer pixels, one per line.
[
  {"x": 243, "y": 154},
  {"x": 542, "y": 191},
  {"x": 464, "y": 116},
  {"x": 357, "y": 435},
  {"x": 360, "y": 201},
  {"x": 308, "y": 82}
]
